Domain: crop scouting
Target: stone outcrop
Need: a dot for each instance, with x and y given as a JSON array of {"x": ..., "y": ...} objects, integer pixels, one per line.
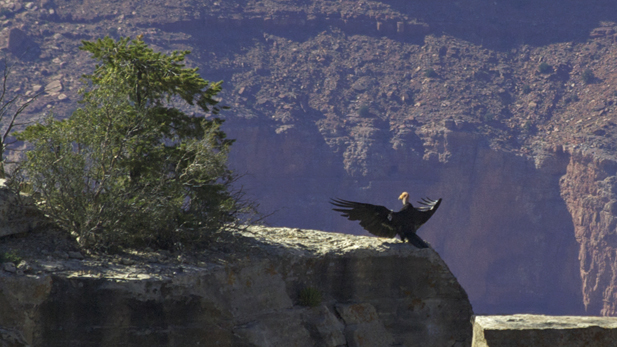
[
  {"x": 374, "y": 292},
  {"x": 526, "y": 330}
]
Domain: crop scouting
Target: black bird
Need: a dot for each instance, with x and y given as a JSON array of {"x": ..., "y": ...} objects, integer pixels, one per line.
[{"x": 383, "y": 222}]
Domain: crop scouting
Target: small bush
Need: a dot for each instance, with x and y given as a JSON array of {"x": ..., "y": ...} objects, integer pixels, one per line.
[
  {"x": 545, "y": 68},
  {"x": 10, "y": 257},
  {"x": 526, "y": 89},
  {"x": 430, "y": 73},
  {"x": 310, "y": 297},
  {"x": 588, "y": 76},
  {"x": 489, "y": 117},
  {"x": 364, "y": 111}
]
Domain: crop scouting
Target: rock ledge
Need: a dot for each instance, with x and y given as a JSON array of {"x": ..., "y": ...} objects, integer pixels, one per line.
[
  {"x": 374, "y": 292},
  {"x": 544, "y": 331}
]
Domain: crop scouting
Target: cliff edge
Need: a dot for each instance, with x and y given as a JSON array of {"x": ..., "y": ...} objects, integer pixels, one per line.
[{"x": 263, "y": 287}]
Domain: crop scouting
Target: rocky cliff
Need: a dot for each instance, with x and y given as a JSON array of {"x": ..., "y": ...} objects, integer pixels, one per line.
[
  {"x": 266, "y": 287},
  {"x": 589, "y": 189},
  {"x": 506, "y": 109}
]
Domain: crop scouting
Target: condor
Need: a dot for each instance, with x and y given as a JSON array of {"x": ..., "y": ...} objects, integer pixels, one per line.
[{"x": 382, "y": 222}]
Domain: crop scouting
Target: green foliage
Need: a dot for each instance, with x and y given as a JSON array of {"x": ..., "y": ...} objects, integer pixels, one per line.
[
  {"x": 364, "y": 111},
  {"x": 127, "y": 168},
  {"x": 545, "y": 68},
  {"x": 310, "y": 296},
  {"x": 588, "y": 76},
  {"x": 10, "y": 257},
  {"x": 430, "y": 73},
  {"x": 489, "y": 117},
  {"x": 526, "y": 89}
]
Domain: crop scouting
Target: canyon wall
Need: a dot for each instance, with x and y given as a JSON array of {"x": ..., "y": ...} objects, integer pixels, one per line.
[{"x": 590, "y": 191}]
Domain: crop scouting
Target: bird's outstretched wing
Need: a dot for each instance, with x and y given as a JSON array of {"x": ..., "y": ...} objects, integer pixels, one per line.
[
  {"x": 426, "y": 208},
  {"x": 373, "y": 218}
]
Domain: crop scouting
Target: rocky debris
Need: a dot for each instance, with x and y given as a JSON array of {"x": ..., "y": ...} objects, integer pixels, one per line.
[
  {"x": 543, "y": 331},
  {"x": 24, "y": 267},
  {"x": 54, "y": 87},
  {"x": 384, "y": 292},
  {"x": 9, "y": 267}
]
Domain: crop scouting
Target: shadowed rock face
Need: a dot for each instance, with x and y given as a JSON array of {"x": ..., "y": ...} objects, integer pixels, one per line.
[{"x": 373, "y": 292}]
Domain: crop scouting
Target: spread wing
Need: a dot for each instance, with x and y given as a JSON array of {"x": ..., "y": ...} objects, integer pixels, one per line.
[
  {"x": 374, "y": 219},
  {"x": 426, "y": 208}
]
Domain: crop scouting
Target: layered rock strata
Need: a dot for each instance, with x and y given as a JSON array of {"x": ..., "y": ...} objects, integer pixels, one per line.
[{"x": 363, "y": 292}]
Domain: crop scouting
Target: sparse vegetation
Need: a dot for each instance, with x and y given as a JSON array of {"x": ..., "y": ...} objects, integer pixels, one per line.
[
  {"x": 128, "y": 169},
  {"x": 364, "y": 111},
  {"x": 588, "y": 76},
  {"x": 310, "y": 297},
  {"x": 526, "y": 89},
  {"x": 430, "y": 73},
  {"x": 10, "y": 257},
  {"x": 545, "y": 68},
  {"x": 488, "y": 117}
]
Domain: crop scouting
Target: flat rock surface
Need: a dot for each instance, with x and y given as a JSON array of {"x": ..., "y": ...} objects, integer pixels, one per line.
[
  {"x": 318, "y": 243},
  {"x": 538, "y": 322},
  {"x": 544, "y": 331}
]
